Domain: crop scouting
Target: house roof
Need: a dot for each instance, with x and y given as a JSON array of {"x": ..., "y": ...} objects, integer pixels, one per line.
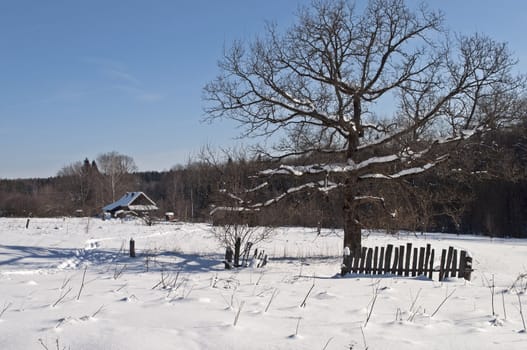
[{"x": 136, "y": 201}]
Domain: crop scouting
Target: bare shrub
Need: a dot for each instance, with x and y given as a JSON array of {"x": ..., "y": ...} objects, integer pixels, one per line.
[{"x": 228, "y": 234}]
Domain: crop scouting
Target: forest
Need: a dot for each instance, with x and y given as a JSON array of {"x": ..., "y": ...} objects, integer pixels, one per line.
[{"x": 480, "y": 189}]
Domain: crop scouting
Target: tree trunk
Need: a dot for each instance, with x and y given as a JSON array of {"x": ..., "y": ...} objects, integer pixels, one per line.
[{"x": 352, "y": 227}]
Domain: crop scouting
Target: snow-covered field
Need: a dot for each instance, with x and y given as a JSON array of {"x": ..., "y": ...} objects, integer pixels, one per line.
[{"x": 176, "y": 294}]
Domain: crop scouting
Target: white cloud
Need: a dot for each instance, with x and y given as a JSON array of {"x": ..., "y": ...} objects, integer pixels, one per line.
[
  {"x": 122, "y": 76},
  {"x": 121, "y": 79}
]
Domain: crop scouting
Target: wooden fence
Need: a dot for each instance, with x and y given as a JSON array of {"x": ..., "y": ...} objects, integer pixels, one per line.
[{"x": 408, "y": 261}]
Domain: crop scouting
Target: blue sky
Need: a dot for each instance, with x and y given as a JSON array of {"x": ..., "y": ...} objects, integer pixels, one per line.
[{"x": 81, "y": 78}]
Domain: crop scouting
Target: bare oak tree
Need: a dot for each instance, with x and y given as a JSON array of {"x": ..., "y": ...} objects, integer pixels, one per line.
[{"x": 322, "y": 85}]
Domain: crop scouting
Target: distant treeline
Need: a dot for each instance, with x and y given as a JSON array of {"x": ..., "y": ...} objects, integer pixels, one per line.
[{"x": 481, "y": 189}]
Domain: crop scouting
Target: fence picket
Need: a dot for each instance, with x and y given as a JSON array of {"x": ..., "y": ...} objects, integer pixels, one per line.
[
  {"x": 408, "y": 259},
  {"x": 427, "y": 259},
  {"x": 375, "y": 260},
  {"x": 401, "y": 261},
  {"x": 414, "y": 263},
  {"x": 421, "y": 261},
  {"x": 369, "y": 254},
  {"x": 462, "y": 257},
  {"x": 362, "y": 259},
  {"x": 448, "y": 266},
  {"x": 468, "y": 267},
  {"x": 356, "y": 260},
  {"x": 418, "y": 261},
  {"x": 431, "y": 266},
  {"x": 395, "y": 260},
  {"x": 388, "y": 258},
  {"x": 442, "y": 265},
  {"x": 380, "y": 269},
  {"x": 454, "y": 264}
]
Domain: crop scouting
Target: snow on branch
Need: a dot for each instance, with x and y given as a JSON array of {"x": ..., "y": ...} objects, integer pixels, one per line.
[
  {"x": 406, "y": 154},
  {"x": 406, "y": 172},
  {"x": 368, "y": 198},
  {"x": 238, "y": 209},
  {"x": 257, "y": 188},
  {"x": 301, "y": 170},
  {"x": 236, "y": 198},
  {"x": 322, "y": 186},
  {"x": 306, "y": 169},
  {"x": 377, "y": 160},
  {"x": 463, "y": 134}
]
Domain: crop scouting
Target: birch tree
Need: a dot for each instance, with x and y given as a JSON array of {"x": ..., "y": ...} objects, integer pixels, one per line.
[
  {"x": 382, "y": 92},
  {"x": 116, "y": 167}
]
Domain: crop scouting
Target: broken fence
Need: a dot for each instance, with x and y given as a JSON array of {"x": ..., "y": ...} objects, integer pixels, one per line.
[{"x": 407, "y": 261}]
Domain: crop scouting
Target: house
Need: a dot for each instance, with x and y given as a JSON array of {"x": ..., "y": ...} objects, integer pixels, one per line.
[{"x": 136, "y": 203}]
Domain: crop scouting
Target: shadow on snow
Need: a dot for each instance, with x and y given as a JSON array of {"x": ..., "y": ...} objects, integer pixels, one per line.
[{"x": 38, "y": 258}]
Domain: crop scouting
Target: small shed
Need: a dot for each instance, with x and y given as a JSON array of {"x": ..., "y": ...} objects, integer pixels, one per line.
[{"x": 132, "y": 202}]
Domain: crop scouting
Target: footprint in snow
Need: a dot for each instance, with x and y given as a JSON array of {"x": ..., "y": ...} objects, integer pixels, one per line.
[
  {"x": 131, "y": 298},
  {"x": 70, "y": 263},
  {"x": 325, "y": 295},
  {"x": 92, "y": 244}
]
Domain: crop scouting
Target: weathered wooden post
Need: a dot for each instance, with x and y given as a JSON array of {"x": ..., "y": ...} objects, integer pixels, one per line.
[
  {"x": 468, "y": 267},
  {"x": 462, "y": 262},
  {"x": 362, "y": 264},
  {"x": 375, "y": 267},
  {"x": 369, "y": 254},
  {"x": 427, "y": 260},
  {"x": 132, "y": 248},
  {"x": 414, "y": 262},
  {"x": 442, "y": 265},
  {"x": 421, "y": 267},
  {"x": 380, "y": 269},
  {"x": 408, "y": 259},
  {"x": 401, "y": 261},
  {"x": 454, "y": 271},
  {"x": 228, "y": 258},
  {"x": 395, "y": 260},
  {"x": 237, "y": 247},
  {"x": 448, "y": 266},
  {"x": 431, "y": 266},
  {"x": 388, "y": 259}
]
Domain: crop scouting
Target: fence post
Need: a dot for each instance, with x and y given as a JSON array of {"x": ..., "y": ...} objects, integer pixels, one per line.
[
  {"x": 362, "y": 259},
  {"x": 395, "y": 260},
  {"x": 468, "y": 267},
  {"x": 431, "y": 266},
  {"x": 369, "y": 254},
  {"x": 448, "y": 265},
  {"x": 380, "y": 268},
  {"x": 375, "y": 267},
  {"x": 408, "y": 258},
  {"x": 401, "y": 261},
  {"x": 237, "y": 247},
  {"x": 427, "y": 260},
  {"x": 462, "y": 261},
  {"x": 420, "y": 267},
  {"x": 132, "y": 248},
  {"x": 356, "y": 261},
  {"x": 454, "y": 264},
  {"x": 414, "y": 263},
  {"x": 442, "y": 265},
  {"x": 388, "y": 258},
  {"x": 228, "y": 258}
]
